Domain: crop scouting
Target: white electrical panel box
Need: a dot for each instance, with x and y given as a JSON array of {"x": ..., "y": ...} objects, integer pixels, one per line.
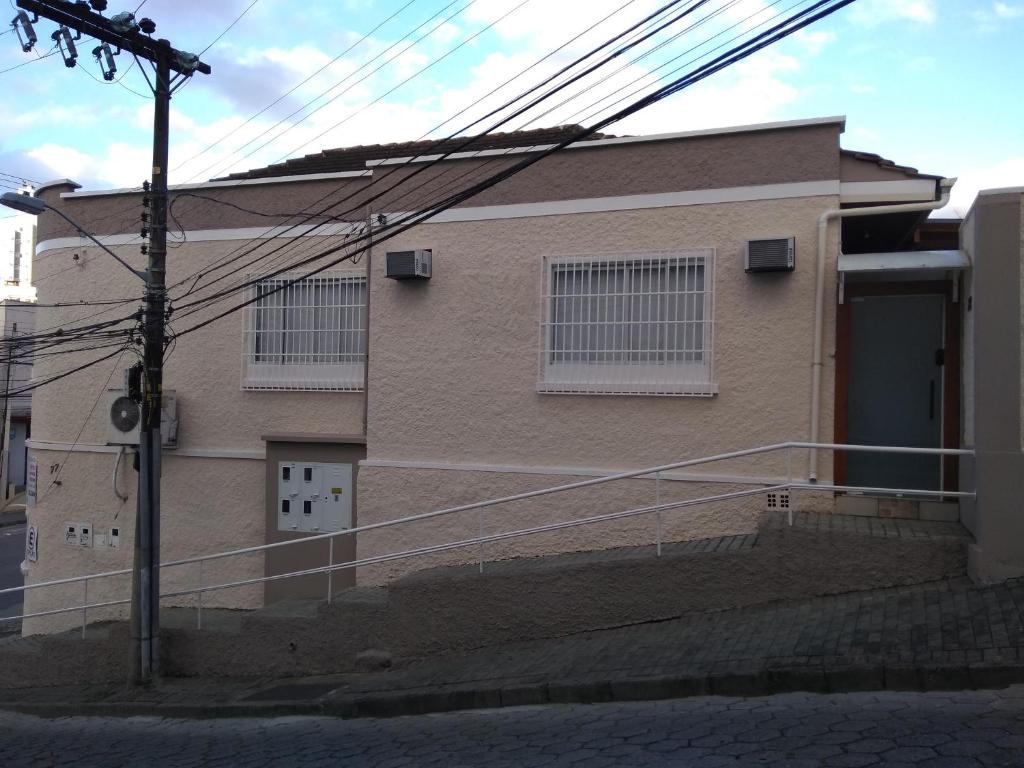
[
  {"x": 78, "y": 534},
  {"x": 313, "y": 497}
]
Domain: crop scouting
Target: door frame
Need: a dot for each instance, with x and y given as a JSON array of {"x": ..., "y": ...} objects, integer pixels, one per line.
[{"x": 950, "y": 437}]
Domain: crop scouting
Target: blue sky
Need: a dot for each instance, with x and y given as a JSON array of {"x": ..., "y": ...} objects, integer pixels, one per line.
[{"x": 929, "y": 83}]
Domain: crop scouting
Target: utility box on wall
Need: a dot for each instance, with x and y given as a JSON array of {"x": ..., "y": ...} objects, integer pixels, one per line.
[{"x": 314, "y": 497}]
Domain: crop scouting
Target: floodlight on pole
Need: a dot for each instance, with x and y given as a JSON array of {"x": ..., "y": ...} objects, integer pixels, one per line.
[{"x": 35, "y": 206}]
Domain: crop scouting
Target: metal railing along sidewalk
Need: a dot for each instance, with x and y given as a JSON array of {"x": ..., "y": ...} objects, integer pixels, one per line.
[{"x": 657, "y": 509}]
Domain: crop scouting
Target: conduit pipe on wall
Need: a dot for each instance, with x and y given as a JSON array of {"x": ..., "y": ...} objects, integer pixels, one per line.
[{"x": 819, "y": 296}]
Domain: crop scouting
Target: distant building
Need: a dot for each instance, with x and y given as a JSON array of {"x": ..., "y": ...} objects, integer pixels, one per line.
[
  {"x": 17, "y": 319},
  {"x": 17, "y": 245}
]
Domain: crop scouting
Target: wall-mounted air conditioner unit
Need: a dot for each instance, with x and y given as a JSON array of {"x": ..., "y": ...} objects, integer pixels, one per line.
[
  {"x": 125, "y": 419},
  {"x": 776, "y": 254},
  {"x": 409, "y": 265}
]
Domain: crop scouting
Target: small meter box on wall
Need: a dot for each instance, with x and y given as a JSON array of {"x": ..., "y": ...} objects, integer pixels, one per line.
[
  {"x": 314, "y": 497},
  {"x": 409, "y": 265}
]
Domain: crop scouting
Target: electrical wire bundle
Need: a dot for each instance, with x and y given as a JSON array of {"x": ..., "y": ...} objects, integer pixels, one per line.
[{"x": 197, "y": 294}]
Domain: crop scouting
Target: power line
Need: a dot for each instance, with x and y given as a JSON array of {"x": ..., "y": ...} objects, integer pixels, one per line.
[
  {"x": 653, "y": 17},
  {"x": 391, "y": 90},
  {"x": 346, "y": 90},
  {"x": 238, "y": 249},
  {"x": 738, "y": 53},
  {"x": 295, "y": 87},
  {"x": 17, "y": 177},
  {"x": 85, "y": 422},
  {"x": 30, "y": 61},
  {"x": 238, "y": 19}
]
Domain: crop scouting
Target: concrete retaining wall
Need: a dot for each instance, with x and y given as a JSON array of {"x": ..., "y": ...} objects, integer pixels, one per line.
[{"x": 456, "y": 609}]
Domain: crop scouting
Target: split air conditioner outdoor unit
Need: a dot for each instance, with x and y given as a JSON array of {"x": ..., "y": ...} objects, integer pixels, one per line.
[
  {"x": 125, "y": 418},
  {"x": 777, "y": 254},
  {"x": 409, "y": 265}
]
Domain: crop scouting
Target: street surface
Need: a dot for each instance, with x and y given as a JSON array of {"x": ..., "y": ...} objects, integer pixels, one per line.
[
  {"x": 12, "y": 552},
  {"x": 926, "y": 730}
]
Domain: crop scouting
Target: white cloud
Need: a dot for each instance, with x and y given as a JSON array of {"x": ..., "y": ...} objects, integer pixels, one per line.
[
  {"x": 751, "y": 92},
  {"x": 872, "y": 12},
  {"x": 1008, "y": 173},
  {"x": 862, "y": 88},
  {"x": 814, "y": 41},
  {"x": 1007, "y": 11}
]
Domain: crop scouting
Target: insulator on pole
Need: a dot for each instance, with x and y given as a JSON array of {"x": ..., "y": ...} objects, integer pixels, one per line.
[
  {"x": 67, "y": 45},
  {"x": 26, "y": 32},
  {"x": 106, "y": 59}
]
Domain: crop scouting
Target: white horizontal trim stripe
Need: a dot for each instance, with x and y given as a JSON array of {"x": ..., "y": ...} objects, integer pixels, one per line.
[
  {"x": 910, "y": 190},
  {"x": 210, "y": 235},
  {"x": 195, "y": 453},
  {"x": 496, "y": 212},
  {"x": 515, "y": 469},
  {"x": 839, "y": 120},
  {"x": 636, "y": 202},
  {"x": 221, "y": 184}
]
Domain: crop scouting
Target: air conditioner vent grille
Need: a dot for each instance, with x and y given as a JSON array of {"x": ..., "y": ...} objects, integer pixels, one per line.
[
  {"x": 409, "y": 265},
  {"x": 771, "y": 255}
]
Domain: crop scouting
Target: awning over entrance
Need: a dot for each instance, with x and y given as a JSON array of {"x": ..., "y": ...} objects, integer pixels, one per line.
[{"x": 902, "y": 260}]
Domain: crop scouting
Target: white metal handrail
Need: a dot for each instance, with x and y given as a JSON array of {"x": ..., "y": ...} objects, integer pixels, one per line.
[{"x": 480, "y": 540}]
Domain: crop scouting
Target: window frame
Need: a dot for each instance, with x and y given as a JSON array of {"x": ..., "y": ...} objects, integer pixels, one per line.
[
  {"x": 284, "y": 375},
  {"x": 628, "y": 377}
]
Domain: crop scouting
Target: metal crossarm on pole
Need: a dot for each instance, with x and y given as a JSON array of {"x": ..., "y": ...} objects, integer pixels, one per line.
[{"x": 171, "y": 68}]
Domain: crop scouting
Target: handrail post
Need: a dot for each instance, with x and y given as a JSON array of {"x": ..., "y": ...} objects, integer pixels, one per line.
[
  {"x": 480, "y": 535},
  {"x": 657, "y": 502},
  {"x": 85, "y": 602},
  {"x": 199, "y": 596},
  {"x": 330, "y": 570},
  {"x": 789, "y": 483}
]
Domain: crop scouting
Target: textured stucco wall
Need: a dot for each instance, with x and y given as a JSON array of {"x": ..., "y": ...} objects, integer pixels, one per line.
[
  {"x": 205, "y": 369},
  {"x": 998, "y": 220},
  {"x": 466, "y": 343},
  {"x": 208, "y": 505},
  {"x": 454, "y": 362}
]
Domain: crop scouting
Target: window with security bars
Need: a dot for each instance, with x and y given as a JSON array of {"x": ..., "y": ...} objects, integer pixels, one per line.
[
  {"x": 638, "y": 324},
  {"x": 308, "y": 335}
]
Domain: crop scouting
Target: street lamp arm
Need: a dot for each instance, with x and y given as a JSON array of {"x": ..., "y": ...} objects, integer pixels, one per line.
[{"x": 35, "y": 206}]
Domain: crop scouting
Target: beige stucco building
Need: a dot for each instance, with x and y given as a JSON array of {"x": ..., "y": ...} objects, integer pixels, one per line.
[{"x": 592, "y": 314}]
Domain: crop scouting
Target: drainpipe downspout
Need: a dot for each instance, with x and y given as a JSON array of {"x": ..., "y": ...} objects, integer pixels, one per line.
[
  {"x": 366, "y": 324},
  {"x": 819, "y": 297}
]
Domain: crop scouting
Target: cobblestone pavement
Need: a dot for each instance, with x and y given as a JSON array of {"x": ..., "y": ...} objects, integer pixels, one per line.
[
  {"x": 896, "y": 730},
  {"x": 941, "y": 623}
]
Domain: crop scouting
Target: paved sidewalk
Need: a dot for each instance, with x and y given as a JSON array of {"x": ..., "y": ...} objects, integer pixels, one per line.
[
  {"x": 12, "y": 517},
  {"x": 942, "y": 635}
]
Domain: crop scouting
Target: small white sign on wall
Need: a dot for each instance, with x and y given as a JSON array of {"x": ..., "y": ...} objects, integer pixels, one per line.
[
  {"x": 31, "y": 481},
  {"x": 32, "y": 544}
]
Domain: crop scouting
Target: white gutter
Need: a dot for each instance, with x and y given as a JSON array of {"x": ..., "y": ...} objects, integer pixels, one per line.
[{"x": 819, "y": 297}]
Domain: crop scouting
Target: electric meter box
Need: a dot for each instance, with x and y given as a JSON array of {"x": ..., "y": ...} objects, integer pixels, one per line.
[{"x": 313, "y": 497}]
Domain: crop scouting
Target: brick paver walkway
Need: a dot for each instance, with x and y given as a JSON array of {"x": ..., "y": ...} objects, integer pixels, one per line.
[{"x": 945, "y": 629}]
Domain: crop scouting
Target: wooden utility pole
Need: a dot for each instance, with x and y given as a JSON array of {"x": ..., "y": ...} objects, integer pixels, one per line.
[{"x": 171, "y": 69}]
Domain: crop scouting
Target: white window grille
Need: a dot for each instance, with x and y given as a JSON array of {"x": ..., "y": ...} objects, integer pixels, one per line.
[
  {"x": 638, "y": 324},
  {"x": 310, "y": 335}
]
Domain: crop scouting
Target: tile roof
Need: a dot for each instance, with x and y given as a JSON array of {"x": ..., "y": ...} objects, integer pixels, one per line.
[
  {"x": 882, "y": 162},
  {"x": 354, "y": 158}
]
